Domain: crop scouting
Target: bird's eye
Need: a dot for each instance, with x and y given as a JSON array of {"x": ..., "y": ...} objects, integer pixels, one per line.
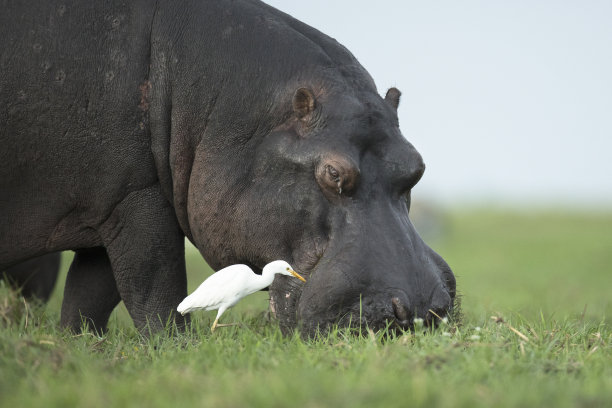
[{"x": 287, "y": 268}]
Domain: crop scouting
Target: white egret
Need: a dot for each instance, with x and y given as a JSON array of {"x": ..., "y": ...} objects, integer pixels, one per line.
[{"x": 223, "y": 289}]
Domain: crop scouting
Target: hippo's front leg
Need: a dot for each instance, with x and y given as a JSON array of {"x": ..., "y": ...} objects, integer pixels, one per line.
[{"x": 146, "y": 249}]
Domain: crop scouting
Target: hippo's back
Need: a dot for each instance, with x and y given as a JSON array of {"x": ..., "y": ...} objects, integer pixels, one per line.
[{"x": 72, "y": 119}]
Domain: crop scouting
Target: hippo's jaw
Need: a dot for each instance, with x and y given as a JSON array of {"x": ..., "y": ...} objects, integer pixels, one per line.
[{"x": 372, "y": 312}]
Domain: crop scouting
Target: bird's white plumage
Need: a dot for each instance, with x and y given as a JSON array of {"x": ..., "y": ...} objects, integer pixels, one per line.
[
  {"x": 209, "y": 296},
  {"x": 226, "y": 287}
]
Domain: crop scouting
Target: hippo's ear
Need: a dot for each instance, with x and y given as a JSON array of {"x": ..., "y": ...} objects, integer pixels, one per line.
[
  {"x": 393, "y": 97},
  {"x": 304, "y": 102}
]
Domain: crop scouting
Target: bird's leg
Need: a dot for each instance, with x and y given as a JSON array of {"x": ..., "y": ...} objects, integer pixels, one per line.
[
  {"x": 216, "y": 322},
  {"x": 214, "y": 326}
]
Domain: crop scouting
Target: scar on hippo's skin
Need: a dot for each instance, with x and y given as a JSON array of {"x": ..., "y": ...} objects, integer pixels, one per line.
[
  {"x": 400, "y": 311},
  {"x": 60, "y": 76},
  {"x": 272, "y": 307},
  {"x": 145, "y": 87}
]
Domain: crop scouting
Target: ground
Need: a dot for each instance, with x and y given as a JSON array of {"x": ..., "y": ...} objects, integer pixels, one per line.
[{"x": 535, "y": 332}]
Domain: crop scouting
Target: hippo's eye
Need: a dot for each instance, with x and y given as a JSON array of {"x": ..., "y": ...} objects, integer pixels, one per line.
[
  {"x": 337, "y": 176},
  {"x": 333, "y": 173}
]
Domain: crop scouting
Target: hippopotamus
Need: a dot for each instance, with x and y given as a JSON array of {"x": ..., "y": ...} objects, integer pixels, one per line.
[
  {"x": 128, "y": 126},
  {"x": 36, "y": 277}
]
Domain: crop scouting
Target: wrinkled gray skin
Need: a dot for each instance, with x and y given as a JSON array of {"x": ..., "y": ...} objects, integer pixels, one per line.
[{"x": 126, "y": 126}]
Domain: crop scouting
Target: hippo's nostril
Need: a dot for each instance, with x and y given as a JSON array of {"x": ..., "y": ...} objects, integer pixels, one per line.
[
  {"x": 435, "y": 317},
  {"x": 439, "y": 308},
  {"x": 441, "y": 302}
]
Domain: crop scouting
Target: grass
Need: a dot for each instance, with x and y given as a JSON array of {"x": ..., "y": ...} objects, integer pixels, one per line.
[{"x": 533, "y": 272}]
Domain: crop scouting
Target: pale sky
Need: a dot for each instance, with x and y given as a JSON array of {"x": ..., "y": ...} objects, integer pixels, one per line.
[{"x": 509, "y": 102}]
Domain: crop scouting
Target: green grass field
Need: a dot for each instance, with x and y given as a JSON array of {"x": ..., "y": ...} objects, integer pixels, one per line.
[{"x": 545, "y": 277}]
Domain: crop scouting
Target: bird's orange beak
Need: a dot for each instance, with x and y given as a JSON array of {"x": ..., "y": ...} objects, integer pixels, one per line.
[{"x": 297, "y": 275}]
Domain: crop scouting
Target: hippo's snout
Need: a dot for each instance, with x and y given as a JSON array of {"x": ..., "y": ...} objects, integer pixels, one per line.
[
  {"x": 431, "y": 313},
  {"x": 388, "y": 309},
  {"x": 395, "y": 309}
]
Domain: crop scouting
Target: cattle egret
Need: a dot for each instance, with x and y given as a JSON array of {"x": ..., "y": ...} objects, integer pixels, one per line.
[{"x": 226, "y": 287}]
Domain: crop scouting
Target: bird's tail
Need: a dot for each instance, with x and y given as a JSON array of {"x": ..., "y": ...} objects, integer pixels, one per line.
[{"x": 186, "y": 306}]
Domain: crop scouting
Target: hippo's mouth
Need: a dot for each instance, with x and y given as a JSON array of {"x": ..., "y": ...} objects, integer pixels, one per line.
[
  {"x": 285, "y": 295},
  {"x": 350, "y": 291},
  {"x": 370, "y": 311},
  {"x": 290, "y": 291}
]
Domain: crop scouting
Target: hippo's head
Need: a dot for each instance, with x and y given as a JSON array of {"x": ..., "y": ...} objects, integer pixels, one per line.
[
  {"x": 364, "y": 260},
  {"x": 327, "y": 190},
  {"x": 280, "y": 147}
]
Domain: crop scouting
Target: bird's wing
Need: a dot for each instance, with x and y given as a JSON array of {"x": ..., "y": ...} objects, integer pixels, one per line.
[{"x": 221, "y": 287}]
